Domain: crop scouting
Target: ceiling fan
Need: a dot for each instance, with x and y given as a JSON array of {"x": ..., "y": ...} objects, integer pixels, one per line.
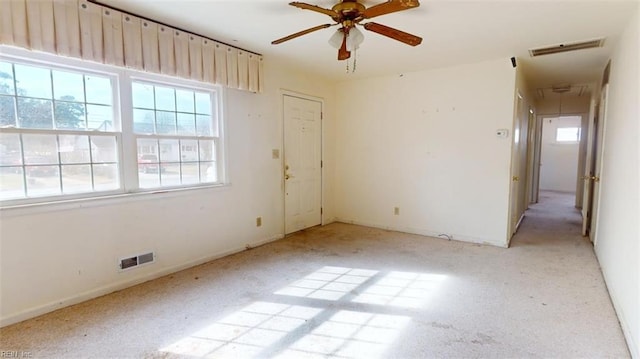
[{"x": 348, "y": 14}]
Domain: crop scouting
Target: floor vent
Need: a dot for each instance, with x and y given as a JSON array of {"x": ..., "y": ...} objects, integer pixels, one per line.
[
  {"x": 135, "y": 261},
  {"x": 566, "y": 47}
]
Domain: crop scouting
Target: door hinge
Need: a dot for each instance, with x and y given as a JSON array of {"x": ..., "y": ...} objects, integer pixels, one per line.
[
  {"x": 321, "y": 164},
  {"x": 321, "y": 210},
  {"x": 322, "y": 115}
]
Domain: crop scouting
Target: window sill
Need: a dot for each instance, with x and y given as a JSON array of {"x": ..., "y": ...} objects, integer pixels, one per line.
[{"x": 107, "y": 200}]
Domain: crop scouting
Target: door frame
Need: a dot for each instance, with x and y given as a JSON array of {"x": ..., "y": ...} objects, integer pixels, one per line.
[
  {"x": 515, "y": 219},
  {"x": 598, "y": 164},
  {"x": 292, "y": 93},
  {"x": 589, "y": 164}
]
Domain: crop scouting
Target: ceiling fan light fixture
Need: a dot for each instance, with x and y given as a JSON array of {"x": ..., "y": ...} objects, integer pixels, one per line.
[
  {"x": 349, "y": 14},
  {"x": 336, "y": 39},
  {"x": 354, "y": 39}
]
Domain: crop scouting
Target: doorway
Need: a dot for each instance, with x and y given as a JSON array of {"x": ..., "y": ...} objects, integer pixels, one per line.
[
  {"x": 302, "y": 157},
  {"x": 560, "y": 146}
]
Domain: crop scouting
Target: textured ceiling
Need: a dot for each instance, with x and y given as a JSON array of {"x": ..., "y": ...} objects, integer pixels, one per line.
[{"x": 454, "y": 32}]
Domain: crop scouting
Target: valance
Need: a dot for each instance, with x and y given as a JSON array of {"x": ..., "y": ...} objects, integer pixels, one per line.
[{"x": 81, "y": 29}]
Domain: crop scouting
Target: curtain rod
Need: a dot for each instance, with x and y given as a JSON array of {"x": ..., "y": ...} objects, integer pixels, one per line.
[{"x": 164, "y": 24}]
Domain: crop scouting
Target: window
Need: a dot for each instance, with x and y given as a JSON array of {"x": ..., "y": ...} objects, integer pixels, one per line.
[
  {"x": 175, "y": 130},
  {"x": 568, "y": 134},
  {"x": 71, "y": 129},
  {"x": 45, "y": 146}
]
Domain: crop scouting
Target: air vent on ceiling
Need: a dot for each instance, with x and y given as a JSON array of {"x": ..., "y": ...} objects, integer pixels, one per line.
[
  {"x": 566, "y": 47},
  {"x": 561, "y": 88}
]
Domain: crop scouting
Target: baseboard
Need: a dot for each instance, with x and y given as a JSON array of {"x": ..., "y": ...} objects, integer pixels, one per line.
[
  {"x": 104, "y": 290},
  {"x": 516, "y": 230},
  {"x": 424, "y": 232}
]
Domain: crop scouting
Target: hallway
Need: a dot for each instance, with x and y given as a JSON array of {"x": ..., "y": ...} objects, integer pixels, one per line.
[{"x": 348, "y": 291}]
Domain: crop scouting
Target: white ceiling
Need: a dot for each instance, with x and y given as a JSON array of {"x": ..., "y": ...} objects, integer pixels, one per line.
[{"x": 454, "y": 32}]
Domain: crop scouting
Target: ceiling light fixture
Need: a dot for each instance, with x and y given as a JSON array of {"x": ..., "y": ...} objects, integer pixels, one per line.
[
  {"x": 354, "y": 38},
  {"x": 348, "y": 14}
]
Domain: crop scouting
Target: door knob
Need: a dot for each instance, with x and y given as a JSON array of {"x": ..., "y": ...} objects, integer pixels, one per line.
[
  {"x": 516, "y": 178},
  {"x": 287, "y": 176},
  {"x": 595, "y": 178}
]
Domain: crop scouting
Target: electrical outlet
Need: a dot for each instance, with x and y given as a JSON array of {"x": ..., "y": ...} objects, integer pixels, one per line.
[
  {"x": 396, "y": 211},
  {"x": 258, "y": 221}
]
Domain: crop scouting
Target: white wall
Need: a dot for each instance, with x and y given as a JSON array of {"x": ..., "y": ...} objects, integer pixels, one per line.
[
  {"x": 425, "y": 142},
  {"x": 56, "y": 255},
  {"x": 618, "y": 230},
  {"x": 564, "y": 105},
  {"x": 559, "y": 161}
]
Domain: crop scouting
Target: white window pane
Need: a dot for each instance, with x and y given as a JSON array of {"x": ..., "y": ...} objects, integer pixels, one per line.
[
  {"x": 105, "y": 177},
  {"x": 104, "y": 149},
  {"x": 33, "y": 81},
  {"x": 42, "y": 180},
  {"x": 165, "y": 98},
  {"x": 169, "y": 151},
  {"x": 143, "y": 121},
  {"x": 40, "y": 149},
  {"x": 6, "y": 79},
  {"x": 7, "y": 111},
  {"x": 143, "y": 95},
  {"x": 99, "y": 118},
  {"x": 10, "y": 154},
  {"x": 170, "y": 174},
  {"x": 147, "y": 147},
  {"x": 76, "y": 178},
  {"x": 568, "y": 134},
  {"x": 148, "y": 164},
  {"x": 203, "y": 103},
  {"x": 186, "y": 124},
  {"x": 98, "y": 89},
  {"x": 207, "y": 150},
  {"x": 203, "y": 125},
  {"x": 74, "y": 149},
  {"x": 148, "y": 160},
  {"x": 68, "y": 86},
  {"x": 165, "y": 122},
  {"x": 70, "y": 115},
  {"x": 189, "y": 150},
  {"x": 148, "y": 179},
  {"x": 11, "y": 183},
  {"x": 185, "y": 101},
  {"x": 190, "y": 173},
  {"x": 208, "y": 172},
  {"x": 34, "y": 113}
]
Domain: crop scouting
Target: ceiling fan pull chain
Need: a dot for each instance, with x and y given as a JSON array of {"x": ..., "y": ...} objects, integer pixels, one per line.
[{"x": 355, "y": 59}]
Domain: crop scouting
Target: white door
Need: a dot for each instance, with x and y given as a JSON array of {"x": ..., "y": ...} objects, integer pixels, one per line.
[
  {"x": 592, "y": 219},
  {"x": 514, "y": 212},
  {"x": 302, "y": 166},
  {"x": 589, "y": 166}
]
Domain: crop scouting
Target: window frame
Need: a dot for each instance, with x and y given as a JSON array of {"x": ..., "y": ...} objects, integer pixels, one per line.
[
  {"x": 568, "y": 142},
  {"x": 122, "y": 106}
]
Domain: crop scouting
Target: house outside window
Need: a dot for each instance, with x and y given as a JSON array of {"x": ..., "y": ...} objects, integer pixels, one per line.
[{"x": 71, "y": 129}]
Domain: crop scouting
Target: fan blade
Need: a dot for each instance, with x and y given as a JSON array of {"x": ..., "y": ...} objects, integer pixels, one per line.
[
  {"x": 389, "y": 7},
  {"x": 303, "y": 32},
  {"x": 343, "y": 54},
  {"x": 393, "y": 33},
  {"x": 315, "y": 8}
]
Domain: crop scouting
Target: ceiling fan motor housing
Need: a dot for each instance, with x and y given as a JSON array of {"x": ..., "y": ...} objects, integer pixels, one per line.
[{"x": 349, "y": 12}]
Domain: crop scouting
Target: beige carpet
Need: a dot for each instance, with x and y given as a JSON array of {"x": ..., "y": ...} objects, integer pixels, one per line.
[{"x": 354, "y": 292}]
